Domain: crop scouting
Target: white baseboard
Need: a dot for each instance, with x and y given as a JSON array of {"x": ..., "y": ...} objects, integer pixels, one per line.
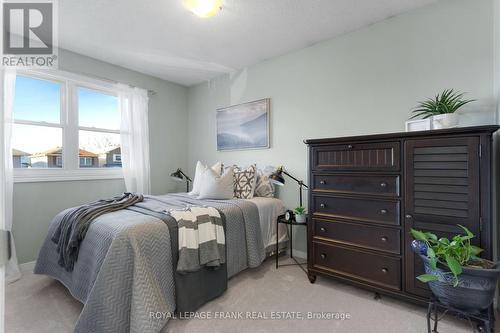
[
  {"x": 300, "y": 254},
  {"x": 27, "y": 267}
]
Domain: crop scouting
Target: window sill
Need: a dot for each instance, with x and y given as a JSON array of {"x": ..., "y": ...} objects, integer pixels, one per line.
[{"x": 58, "y": 175}]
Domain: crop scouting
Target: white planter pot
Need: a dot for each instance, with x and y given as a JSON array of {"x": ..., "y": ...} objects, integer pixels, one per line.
[
  {"x": 300, "y": 218},
  {"x": 446, "y": 120}
]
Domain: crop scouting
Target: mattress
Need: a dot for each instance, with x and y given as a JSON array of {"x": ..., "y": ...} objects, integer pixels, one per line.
[{"x": 269, "y": 210}]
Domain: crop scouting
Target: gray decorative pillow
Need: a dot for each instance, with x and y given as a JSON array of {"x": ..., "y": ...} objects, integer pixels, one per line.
[
  {"x": 264, "y": 187},
  {"x": 244, "y": 182}
]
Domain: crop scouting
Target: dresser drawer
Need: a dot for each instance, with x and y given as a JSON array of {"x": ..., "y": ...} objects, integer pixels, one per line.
[
  {"x": 371, "y": 237},
  {"x": 356, "y": 184},
  {"x": 357, "y": 156},
  {"x": 372, "y": 268},
  {"x": 367, "y": 210}
]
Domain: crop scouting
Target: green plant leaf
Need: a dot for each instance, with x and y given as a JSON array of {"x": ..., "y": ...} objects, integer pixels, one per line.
[
  {"x": 430, "y": 235},
  {"x": 475, "y": 250},
  {"x": 447, "y": 101},
  {"x": 469, "y": 234},
  {"x": 430, "y": 252},
  {"x": 418, "y": 235},
  {"x": 299, "y": 210},
  {"x": 444, "y": 241},
  {"x": 433, "y": 262},
  {"x": 453, "y": 265},
  {"x": 427, "y": 278}
]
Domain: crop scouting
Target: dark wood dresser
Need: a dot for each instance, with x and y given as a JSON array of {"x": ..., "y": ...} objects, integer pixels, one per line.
[{"x": 368, "y": 191}]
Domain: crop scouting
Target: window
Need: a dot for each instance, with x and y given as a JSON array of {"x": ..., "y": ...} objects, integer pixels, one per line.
[
  {"x": 99, "y": 126},
  {"x": 86, "y": 162},
  {"x": 65, "y": 127},
  {"x": 37, "y": 131}
]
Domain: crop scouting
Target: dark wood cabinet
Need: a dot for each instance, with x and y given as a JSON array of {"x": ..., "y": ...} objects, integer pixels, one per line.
[
  {"x": 367, "y": 192},
  {"x": 442, "y": 190}
]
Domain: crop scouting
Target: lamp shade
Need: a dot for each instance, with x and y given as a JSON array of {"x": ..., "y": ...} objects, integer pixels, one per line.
[
  {"x": 177, "y": 175},
  {"x": 277, "y": 177}
]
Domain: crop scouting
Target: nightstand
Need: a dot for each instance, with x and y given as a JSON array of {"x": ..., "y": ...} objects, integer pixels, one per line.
[{"x": 292, "y": 224}]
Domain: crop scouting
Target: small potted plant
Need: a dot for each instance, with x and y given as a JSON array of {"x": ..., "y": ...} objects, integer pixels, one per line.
[
  {"x": 300, "y": 215},
  {"x": 454, "y": 272},
  {"x": 441, "y": 109}
]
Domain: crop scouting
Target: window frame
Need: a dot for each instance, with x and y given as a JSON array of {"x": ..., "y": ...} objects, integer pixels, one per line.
[{"x": 70, "y": 170}]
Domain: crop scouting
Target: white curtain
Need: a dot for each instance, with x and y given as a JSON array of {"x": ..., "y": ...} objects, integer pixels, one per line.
[
  {"x": 134, "y": 135},
  {"x": 6, "y": 169}
]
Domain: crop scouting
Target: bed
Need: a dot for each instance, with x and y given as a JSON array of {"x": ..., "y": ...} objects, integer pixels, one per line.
[{"x": 124, "y": 274}]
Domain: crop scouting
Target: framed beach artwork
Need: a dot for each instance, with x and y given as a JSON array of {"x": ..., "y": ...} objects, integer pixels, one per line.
[{"x": 243, "y": 126}]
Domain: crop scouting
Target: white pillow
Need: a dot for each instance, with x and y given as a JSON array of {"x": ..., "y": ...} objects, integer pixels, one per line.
[
  {"x": 216, "y": 186},
  {"x": 200, "y": 169}
]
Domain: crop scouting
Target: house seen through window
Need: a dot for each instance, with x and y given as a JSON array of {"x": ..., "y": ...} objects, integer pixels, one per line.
[{"x": 48, "y": 134}]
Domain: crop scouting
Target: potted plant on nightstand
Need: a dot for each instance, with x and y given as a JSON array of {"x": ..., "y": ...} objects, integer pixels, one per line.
[
  {"x": 454, "y": 272},
  {"x": 300, "y": 215},
  {"x": 441, "y": 109}
]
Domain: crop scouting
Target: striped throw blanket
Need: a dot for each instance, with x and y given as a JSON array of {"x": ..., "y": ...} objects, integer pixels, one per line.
[{"x": 201, "y": 238}]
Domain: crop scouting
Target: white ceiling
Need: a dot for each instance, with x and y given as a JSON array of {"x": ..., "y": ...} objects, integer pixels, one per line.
[{"x": 162, "y": 39}]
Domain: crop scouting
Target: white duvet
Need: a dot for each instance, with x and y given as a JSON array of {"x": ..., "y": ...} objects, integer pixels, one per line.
[{"x": 269, "y": 210}]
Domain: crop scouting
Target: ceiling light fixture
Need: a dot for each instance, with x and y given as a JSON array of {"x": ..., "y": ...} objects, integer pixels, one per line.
[{"x": 204, "y": 8}]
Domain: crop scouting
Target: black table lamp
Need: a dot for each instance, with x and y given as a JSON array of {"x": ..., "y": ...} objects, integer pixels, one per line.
[
  {"x": 278, "y": 179},
  {"x": 180, "y": 177}
]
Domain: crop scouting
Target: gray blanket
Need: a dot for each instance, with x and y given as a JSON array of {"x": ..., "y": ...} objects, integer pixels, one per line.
[
  {"x": 124, "y": 270},
  {"x": 74, "y": 225}
]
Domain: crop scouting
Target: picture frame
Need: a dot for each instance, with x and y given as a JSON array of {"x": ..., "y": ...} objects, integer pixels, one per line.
[
  {"x": 418, "y": 125},
  {"x": 243, "y": 126}
]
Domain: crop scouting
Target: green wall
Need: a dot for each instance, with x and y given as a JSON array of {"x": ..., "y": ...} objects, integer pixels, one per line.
[
  {"x": 359, "y": 83},
  {"x": 35, "y": 204},
  {"x": 363, "y": 82}
]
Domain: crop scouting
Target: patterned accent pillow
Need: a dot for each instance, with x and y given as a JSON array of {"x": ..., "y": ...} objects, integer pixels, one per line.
[
  {"x": 264, "y": 188},
  {"x": 244, "y": 182}
]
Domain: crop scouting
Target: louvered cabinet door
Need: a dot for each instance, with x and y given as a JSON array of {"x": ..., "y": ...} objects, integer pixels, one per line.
[{"x": 441, "y": 191}]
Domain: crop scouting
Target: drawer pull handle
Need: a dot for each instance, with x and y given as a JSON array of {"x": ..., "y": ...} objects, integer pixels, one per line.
[
  {"x": 349, "y": 147},
  {"x": 383, "y": 211},
  {"x": 322, "y": 182},
  {"x": 408, "y": 216},
  {"x": 322, "y": 229},
  {"x": 323, "y": 256},
  {"x": 383, "y": 184},
  {"x": 384, "y": 239},
  {"x": 385, "y": 270},
  {"x": 322, "y": 205}
]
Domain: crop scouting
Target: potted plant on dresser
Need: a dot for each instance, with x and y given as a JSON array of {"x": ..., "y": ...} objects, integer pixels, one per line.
[
  {"x": 454, "y": 272},
  {"x": 442, "y": 109}
]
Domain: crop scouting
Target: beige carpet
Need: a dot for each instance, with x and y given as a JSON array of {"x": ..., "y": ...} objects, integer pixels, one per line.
[{"x": 40, "y": 304}]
